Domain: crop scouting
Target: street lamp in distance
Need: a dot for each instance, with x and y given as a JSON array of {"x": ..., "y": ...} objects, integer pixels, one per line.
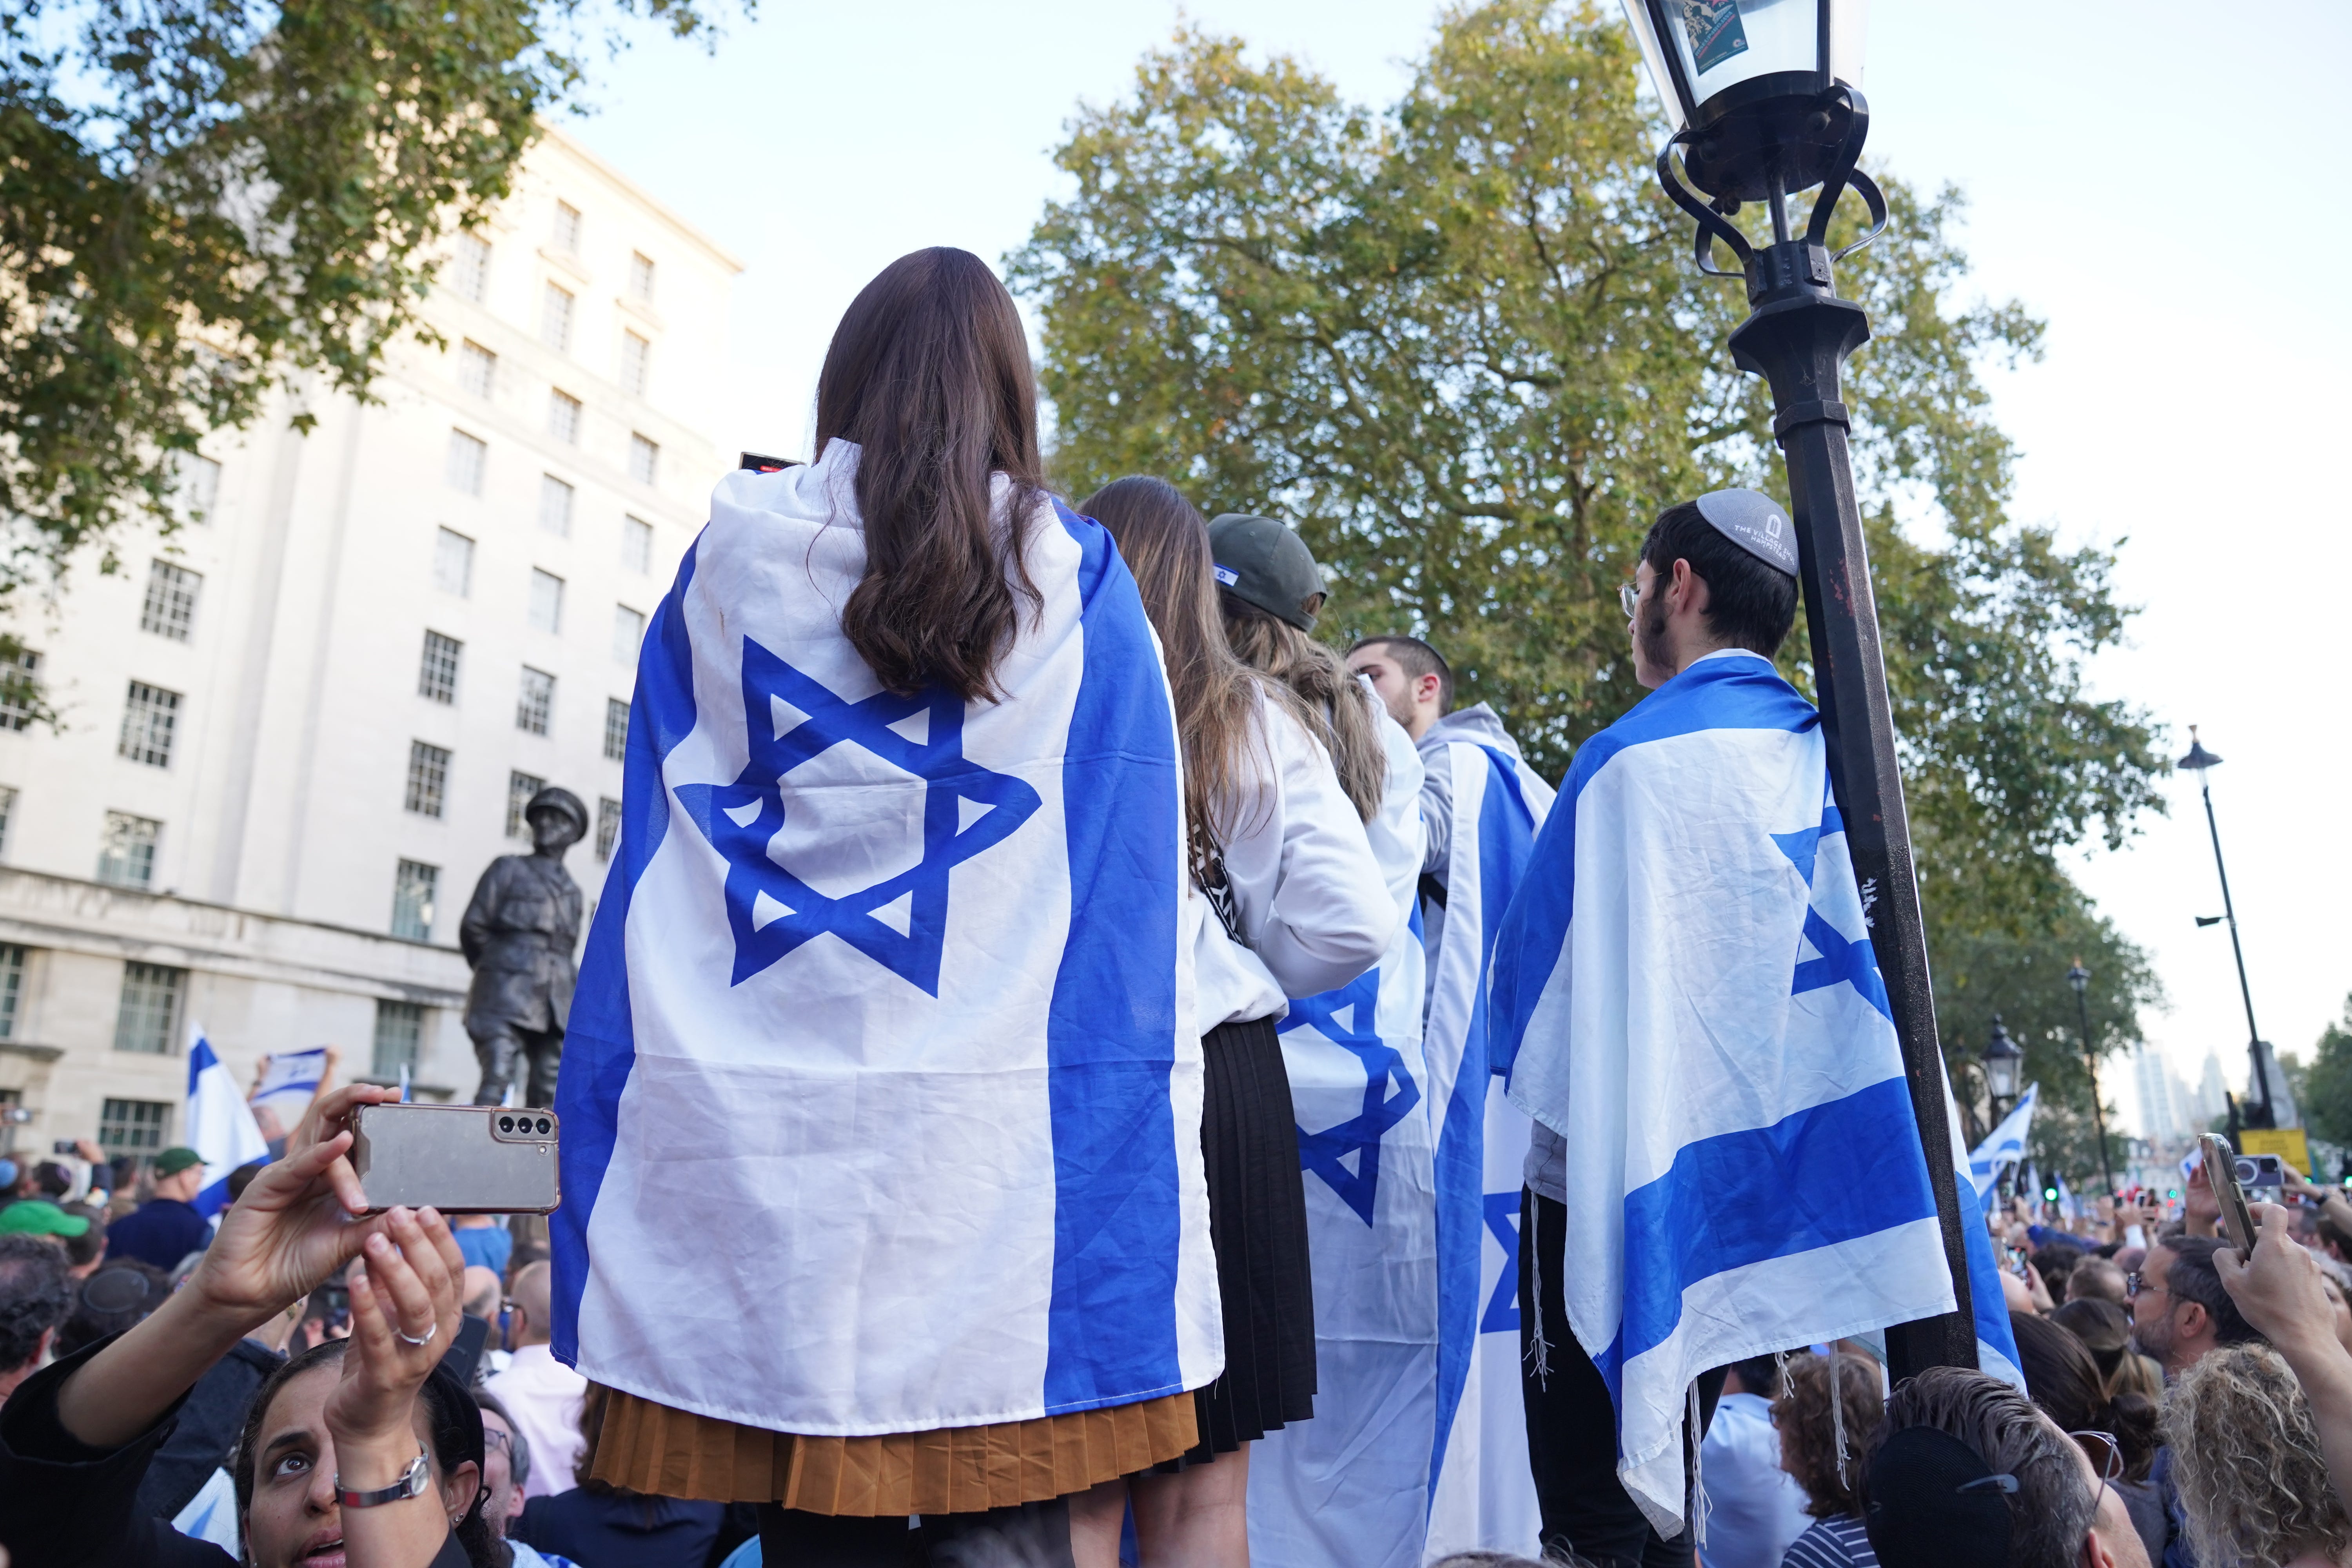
[
  {"x": 2201, "y": 762},
  {"x": 2080, "y": 979},
  {"x": 2004, "y": 1067}
]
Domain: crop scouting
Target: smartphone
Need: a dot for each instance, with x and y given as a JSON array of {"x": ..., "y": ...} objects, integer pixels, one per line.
[
  {"x": 64, "y": 1146},
  {"x": 2222, "y": 1170},
  {"x": 761, "y": 463},
  {"x": 2260, "y": 1170},
  {"x": 460, "y": 1159}
]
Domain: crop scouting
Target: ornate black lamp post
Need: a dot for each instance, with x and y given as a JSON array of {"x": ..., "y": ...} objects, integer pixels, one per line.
[
  {"x": 2080, "y": 979},
  {"x": 2004, "y": 1068},
  {"x": 2201, "y": 762},
  {"x": 1765, "y": 103}
]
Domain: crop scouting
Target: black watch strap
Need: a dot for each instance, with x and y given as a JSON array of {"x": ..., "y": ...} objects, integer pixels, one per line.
[{"x": 411, "y": 1484}]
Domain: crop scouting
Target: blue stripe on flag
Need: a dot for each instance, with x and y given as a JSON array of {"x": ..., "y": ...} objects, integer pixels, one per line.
[
  {"x": 599, "y": 1042},
  {"x": 1826, "y": 1175},
  {"x": 1989, "y": 1305},
  {"x": 1111, "y": 1327},
  {"x": 1505, "y": 836}
]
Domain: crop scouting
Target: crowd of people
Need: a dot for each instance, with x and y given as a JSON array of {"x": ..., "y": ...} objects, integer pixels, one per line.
[{"x": 1016, "y": 1266}]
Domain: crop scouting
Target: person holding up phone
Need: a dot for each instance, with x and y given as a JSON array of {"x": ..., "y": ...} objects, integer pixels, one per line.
[{"x": 338, "y": 1451}]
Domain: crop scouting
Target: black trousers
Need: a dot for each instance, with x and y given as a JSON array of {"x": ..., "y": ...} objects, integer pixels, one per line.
[
  {"x": 1572, "y": 1423},
  {"x": 1034, "y": 1536}
]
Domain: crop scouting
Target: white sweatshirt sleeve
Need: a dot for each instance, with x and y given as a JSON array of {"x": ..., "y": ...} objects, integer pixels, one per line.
[{"x": 1310, "y": 894}]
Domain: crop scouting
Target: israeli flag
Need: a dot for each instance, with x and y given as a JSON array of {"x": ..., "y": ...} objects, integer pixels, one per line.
[
  {"x": 290, "y": 1082},
  {"x": 882, "y": 1087},
  {"x": 1348, "y": 1489},
  {"x": 1685, "y": 990},
  {"x": 220, "y": 1124},
  {"x": 2003, "y": 1149},
  {"x": 1481, "y": 1493}
]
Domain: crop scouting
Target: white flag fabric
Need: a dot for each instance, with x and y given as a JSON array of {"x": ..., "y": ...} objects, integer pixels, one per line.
[
  {"x": 220, "y": 1124},
  {"x": 1685, "y": 987},
  {"x": 1481, "y": 1495},
  {"x": 2002, "y": 1148},
  {"x": 1347, "y": 1489},
  {"x": 290, "y": 1083},
  {"x": 881, "y": 1090}
]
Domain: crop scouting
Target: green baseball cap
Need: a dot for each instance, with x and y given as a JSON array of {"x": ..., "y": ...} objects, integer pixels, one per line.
[
  {"x": 175, "y": 1160},
  {"x": 1262, "y": 562},
  {"x": 38, "y": 1217}
]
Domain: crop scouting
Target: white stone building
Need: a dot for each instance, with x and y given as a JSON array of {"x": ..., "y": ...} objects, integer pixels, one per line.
[{"x": 295, "y": 732}]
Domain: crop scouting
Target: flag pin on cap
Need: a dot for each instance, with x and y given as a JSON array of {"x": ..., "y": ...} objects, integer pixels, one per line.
[{"x": 1752, "y": 521}]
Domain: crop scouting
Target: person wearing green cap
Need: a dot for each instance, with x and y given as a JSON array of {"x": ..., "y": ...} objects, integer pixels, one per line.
[
  {"x": 166, "y": 1227},
  {"x": 38, "y": 1217}
]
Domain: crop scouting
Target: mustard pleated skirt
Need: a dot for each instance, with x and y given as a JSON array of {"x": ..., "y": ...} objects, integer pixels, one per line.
[{"x": 650, "y": 1447}]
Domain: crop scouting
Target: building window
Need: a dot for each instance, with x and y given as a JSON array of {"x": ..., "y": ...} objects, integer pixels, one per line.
[
  {"x": 636, "y": 364},
  {"x": 554, "y": 505},
  {"x": 132, "y": 1129},
  {"x": 10, "y": 1100},
  {"x": 471, "y": 274},
  {"x": 19, "y": 676},
  {"x": 453, "y": 562},
  {"x": 12, "y": 988},
  {"x": 126, "y": 854},
  {"x": 436, "y": 672},
  {"x": 616, "y": 729},
  {"x": 563, "y": 417},
  {"x": 555, "y": 318},
  {"x": 546, "y": 601},
  {"x": 628, "y": 630},
  {"x": 641, "y": 277},
  {"x": 150, "y": 714},
  {"x": 644, "y": 455},
  {"x": 566, "y": 234},
  {"x": 536, "y": 703},
  {"x": 469, "y": 459},
  {"x": 7, "y": 815},
  {"x": 637, "y": 545},
  {"x": 428, "y": 779},
  {"x": 150, "y": 1008},
  {"x": 198, "y": 487},
  {"x": 170, "y": 608},
  {"x": 399, "y": 1034},
  {"x": 478, "y": 369},
  {"x": 608, "y": 827},
  {"x": 521, "y": 787},
  {"x": 413, "y": 887}
]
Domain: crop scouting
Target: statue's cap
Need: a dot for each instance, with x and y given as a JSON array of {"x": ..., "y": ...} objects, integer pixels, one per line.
[
  {"x": 553, "y": 799},
  {"x": 1754, "y": 522}
]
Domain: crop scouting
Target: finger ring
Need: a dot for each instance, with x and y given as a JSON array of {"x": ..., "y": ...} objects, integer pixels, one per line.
[{"x": 413, "y": 1340}]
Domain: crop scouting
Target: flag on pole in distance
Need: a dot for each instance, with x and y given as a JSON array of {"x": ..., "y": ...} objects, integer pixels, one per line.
[
  {"x": 2002, "y": 1148},
  {"x": 290, "y": 1083},
  {"x": 220, "y": 1124},
  {"x": 1996, "y": 1343}
]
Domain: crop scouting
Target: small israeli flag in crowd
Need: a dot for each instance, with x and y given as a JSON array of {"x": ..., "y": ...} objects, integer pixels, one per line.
[
  {"x": 220, "y": 1124},
  {"x": 1686, "y": 980},
  {"x": 1988, "y": 1304},
  {"x": 2003, "y": 1149},
  {"x": 290, "y": 1082}
]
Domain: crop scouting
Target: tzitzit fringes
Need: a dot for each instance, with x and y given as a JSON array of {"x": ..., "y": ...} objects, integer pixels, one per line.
[
  {"x": 1837, "y": 1409},
  {"x": 1538, "y": 1349},
  {"x": 1700, "y": 1507}
]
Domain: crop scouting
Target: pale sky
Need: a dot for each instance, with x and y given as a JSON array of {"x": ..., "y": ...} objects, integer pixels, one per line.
[{"x": 2140, "y": 176}]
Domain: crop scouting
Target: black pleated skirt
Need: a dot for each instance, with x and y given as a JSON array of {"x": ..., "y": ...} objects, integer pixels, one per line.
[{"x": 1257, "y": 1226}]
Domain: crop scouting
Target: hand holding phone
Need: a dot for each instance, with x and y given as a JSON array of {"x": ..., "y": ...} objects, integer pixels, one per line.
[
  {"x": 458, "y": 1159},
  {"x": 2221, "y": 1163}
]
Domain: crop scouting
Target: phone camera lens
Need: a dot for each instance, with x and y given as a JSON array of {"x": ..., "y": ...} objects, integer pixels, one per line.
[
  {"x": 506, "y": 1123},
  {"x": 2247, "y": 1171},
  {"x": 545, "y": 1126}
]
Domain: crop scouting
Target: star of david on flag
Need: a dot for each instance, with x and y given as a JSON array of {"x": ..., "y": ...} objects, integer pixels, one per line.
[
  {"x": 901, "y": 920},
  {"x": 1840, "y": 961},
  {"x": 1348, "y": 1017}
]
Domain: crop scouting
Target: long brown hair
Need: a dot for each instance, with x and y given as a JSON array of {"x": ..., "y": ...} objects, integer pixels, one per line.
[
  {"x": 928, "y": 373},
  {"x": 1332, "y": 703},
  {"x": 1811, "y": 1429},
  {"x": 1165, "y": 543}
]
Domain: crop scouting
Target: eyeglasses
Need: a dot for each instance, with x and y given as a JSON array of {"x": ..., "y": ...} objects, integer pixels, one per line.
[
  {"x": 494, "y": 1439},
  {"x": 2106, "y": 1455},
  {"x": 2136, "y": 1281},
  {"x": 1629, "y": 598}
]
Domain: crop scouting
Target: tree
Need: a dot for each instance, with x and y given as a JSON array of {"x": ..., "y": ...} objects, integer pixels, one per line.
[
  {"x": 2324, "y": 1097},
  {"x": 204, "y": 196},
  {"x": 1461, "y": 345}
]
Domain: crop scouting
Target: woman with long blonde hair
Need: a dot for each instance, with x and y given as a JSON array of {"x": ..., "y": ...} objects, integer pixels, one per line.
[{"x": 1289, "y": 901}]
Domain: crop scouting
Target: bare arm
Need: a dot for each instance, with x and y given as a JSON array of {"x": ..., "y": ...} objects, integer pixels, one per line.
[{"x": 404, "y": 1290}]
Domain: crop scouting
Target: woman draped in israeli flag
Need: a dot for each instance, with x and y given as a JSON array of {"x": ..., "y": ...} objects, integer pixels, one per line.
[
  {"x": 883, "y": 1191},
  {"x": 1293, "y": 904},
  {"x": 1725, "y": 1162}
]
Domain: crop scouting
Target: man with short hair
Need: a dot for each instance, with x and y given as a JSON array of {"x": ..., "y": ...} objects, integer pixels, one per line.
[
  {"x": 541, "y": 1394},
  {"x": 166, "y": 1227},
  {"x": 35, "y": 1295},
  {"x": 1969, "y": 1473},
  {"x": 2179, "y": 1309},
  {"x": 2097, "y": 1280}
]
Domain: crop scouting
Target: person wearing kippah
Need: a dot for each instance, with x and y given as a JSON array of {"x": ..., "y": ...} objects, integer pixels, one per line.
[{"x": 166, "y": 1227}]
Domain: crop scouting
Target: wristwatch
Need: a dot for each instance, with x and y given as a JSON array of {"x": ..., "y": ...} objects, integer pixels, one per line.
[{"x": 411, "y": 1484}]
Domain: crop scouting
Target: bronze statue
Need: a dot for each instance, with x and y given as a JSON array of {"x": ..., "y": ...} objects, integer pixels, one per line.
[{"x": 520, "y": 933}]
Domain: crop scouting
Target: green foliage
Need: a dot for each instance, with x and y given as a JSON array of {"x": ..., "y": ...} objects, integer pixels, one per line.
[
  {"x": 2324, "y": 1096},
  {"x": 204, "y": 196},
  {"x": 1461, "y": 345}
]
